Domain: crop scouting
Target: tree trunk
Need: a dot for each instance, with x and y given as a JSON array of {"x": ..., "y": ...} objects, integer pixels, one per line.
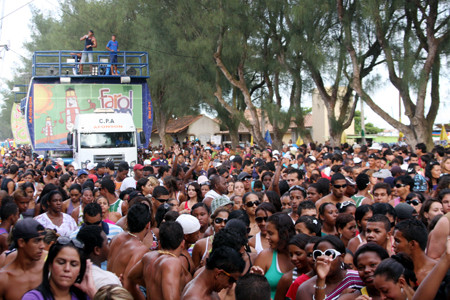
[{"x": 234, "y": 136}]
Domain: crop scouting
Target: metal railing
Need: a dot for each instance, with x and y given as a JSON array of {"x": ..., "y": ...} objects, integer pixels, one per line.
[{"x": 67, "y": 63}]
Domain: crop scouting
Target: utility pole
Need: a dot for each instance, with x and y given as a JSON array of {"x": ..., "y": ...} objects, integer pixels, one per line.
[{"x": 363, "y": 123}]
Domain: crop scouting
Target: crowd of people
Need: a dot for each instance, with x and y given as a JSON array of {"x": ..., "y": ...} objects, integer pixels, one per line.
[{"x": 214, "y": 222}]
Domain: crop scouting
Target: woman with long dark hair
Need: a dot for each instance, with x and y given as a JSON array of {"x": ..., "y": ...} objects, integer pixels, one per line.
[
  {"x": 66, "y": 273},
  {"x": 194, "y": 195}
]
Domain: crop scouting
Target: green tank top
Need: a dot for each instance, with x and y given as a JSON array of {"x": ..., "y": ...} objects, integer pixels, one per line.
[{"x": 273, "y": 275}]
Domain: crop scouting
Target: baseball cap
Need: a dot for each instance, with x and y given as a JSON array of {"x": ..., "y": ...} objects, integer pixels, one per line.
[
  {"x": 224, "y": 153},
  {"x": 189, "y": 223},
  {"x": 375, "y": 146},
  {"x": 27, "y": 229},
  {"x": 404, "y": 211},
  {"x": 138, "y": 167},
  {"x": 219, "y": 202},
  {"x": 156, "y": 163},
  {"x": 90, "y": 166},
  {"x": 147, "y": 162},
  {"x": 382, "y": 173},
  {"x": 357, "y": 160},
  {"x": 243, "y": 175},
  {"x": 82, "y": 172},
  {"x": 202, "y": 179}
]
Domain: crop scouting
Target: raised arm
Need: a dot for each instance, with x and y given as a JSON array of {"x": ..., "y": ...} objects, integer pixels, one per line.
[{"x": 274, "y": 185}]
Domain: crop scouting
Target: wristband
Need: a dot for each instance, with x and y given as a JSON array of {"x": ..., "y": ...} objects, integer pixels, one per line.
[{"x": 320, "y": 287}]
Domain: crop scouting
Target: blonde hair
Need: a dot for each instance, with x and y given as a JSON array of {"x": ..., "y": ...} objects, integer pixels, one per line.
[
  {"x": 112, "y": 292},
  {"x": 153, "y": 181}
]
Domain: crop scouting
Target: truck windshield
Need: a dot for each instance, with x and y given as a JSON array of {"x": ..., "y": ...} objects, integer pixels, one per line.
[{"x": 107, "y": 140}]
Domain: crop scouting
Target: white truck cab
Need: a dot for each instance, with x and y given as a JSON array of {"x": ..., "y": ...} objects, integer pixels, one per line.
[{"x": 104, "y": 136}]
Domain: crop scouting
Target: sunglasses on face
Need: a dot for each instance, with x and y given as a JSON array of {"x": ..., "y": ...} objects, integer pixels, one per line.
[
  {"x": 94, "y": 223},
  {"x": 231, "y": 279},
  {"x": 162, "y": 200},
  {"x": 337, "y": 186},
  {"x": 400, "y": 185},
  {"x": 414, "y": 202},
  {"x": 297, "y": 187},
  {"x": 261, "y": 219},
  {"x": 252, "y": 203},
  {"x": 63, "y": 240},
  {"x": 329, "y": 252},
  {"x": 220, "y": 220}
]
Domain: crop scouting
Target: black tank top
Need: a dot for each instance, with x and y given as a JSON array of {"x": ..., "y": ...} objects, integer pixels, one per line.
[
  {"x": 87, "y": 42},
  {"x": 5, "y": 182}
]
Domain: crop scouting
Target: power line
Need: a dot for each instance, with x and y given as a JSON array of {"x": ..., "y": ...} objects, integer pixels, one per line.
[{"x": 16, "y": 10}]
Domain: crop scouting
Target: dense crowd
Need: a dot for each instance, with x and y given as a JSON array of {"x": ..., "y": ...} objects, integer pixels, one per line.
[{"x": 214, "y": 222}]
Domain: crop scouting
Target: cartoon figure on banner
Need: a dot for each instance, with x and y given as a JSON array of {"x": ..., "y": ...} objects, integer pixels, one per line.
[
  {"x": 47, "y": 130},
  {"x": 72, "y": 109}
]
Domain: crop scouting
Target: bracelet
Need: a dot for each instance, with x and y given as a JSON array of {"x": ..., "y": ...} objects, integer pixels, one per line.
[{"x": 320, "y": 287}]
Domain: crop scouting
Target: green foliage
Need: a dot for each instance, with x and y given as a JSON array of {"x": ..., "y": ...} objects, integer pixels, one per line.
[{"x": 370, "y": 128}]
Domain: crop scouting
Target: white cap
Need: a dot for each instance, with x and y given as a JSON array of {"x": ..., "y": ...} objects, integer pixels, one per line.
[
  {"x": 91, "y": 166},
  {"x": 375, "y": 146},
  {"x": 202, "y": 179},
  {"x": 147, "y": 162},
  {"x": 276, "y": 152},
  {"x": 189, "y": 223},
  {"x": 224, "y": 153},
  {"x": 287, "y": 155},
  {"x": 357, "y": 160}
]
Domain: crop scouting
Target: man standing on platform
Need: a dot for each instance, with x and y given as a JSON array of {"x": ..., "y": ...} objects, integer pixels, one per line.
[{"x": 113, "y": 46}]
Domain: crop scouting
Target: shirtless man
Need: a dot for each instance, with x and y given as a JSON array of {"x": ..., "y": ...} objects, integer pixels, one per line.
[
  {"x": 338, "y": 186},
  {"x": 410, "y": 237},
  {"x": 223, "y": 268},
  {"x": 378, "y": 231},
  {"x": 127, "y": 248},
  {"x": 25, "y": 272},
  {"x": 438, "y": 237},
  {"x": 160, "y": 271}
]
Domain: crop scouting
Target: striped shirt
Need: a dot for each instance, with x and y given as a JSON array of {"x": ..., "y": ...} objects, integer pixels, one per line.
[{"x": 351, "y": 280}]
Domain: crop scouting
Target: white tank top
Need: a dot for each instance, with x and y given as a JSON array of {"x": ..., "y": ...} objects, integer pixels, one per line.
[{"x": 258, "y": 245}]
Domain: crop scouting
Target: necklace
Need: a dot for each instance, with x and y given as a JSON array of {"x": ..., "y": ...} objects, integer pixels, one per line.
[
  {"x": 132, "y": 234},
  {"x": 166, "y": 252}
]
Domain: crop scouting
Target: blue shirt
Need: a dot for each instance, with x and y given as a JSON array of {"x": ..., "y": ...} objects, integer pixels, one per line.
[{"x": 113, "y": 45}]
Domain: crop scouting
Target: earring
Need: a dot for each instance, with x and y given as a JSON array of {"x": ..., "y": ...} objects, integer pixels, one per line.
[{"x": 342, "y": 265}]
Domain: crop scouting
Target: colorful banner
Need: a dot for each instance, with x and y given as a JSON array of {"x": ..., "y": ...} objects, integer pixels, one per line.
[
  {"x": 19, "y": 126},
  {"x": 52, "y": 109}
]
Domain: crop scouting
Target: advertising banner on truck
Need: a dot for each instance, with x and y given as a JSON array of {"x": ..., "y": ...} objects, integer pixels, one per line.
[
  {"x": 52, "y": 108},
  {"x": 19, "y": 126}
]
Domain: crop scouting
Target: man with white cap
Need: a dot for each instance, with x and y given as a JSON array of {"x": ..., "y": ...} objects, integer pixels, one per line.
[{"x": 191, "y": 231}]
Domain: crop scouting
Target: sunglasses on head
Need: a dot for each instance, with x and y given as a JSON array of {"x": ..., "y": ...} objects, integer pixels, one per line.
[
  {"x": 64, "y": 240},
  {"x": 261, "y": 219},
  {"x": 400, "y": 185},
  {"x": 329, "y": 252},
  {"x": 220, "y": 220},
  {"x": 414, "y": 202},
  {"x": 231, "y": 279},
  {"x": 297, "y": 187},
  {"x": 337, "y": 186},
  {"x": 252, "y": 203}
]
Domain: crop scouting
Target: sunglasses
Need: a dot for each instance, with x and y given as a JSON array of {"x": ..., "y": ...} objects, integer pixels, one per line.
[
  {"x": 94, "y": 223},
  {"x": 400, "y": 185},
  {"x": 246, "y": 179},
  {"x": 64, "y": 240},
  {"x": 261, "y": 219},
  {"x": 297, "y": 187},
  {"x": 220, "y": 220},
  {"x": 347, "y": 203},
  {"x": 414, "y": 202},
  {"x": 252, "y": 203},
  {"x": 162, "y": 200},
  {"x": 329, "y": 252},
  {"x": 231, "y": 279},
  {"x": 337, "y": 186}
]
